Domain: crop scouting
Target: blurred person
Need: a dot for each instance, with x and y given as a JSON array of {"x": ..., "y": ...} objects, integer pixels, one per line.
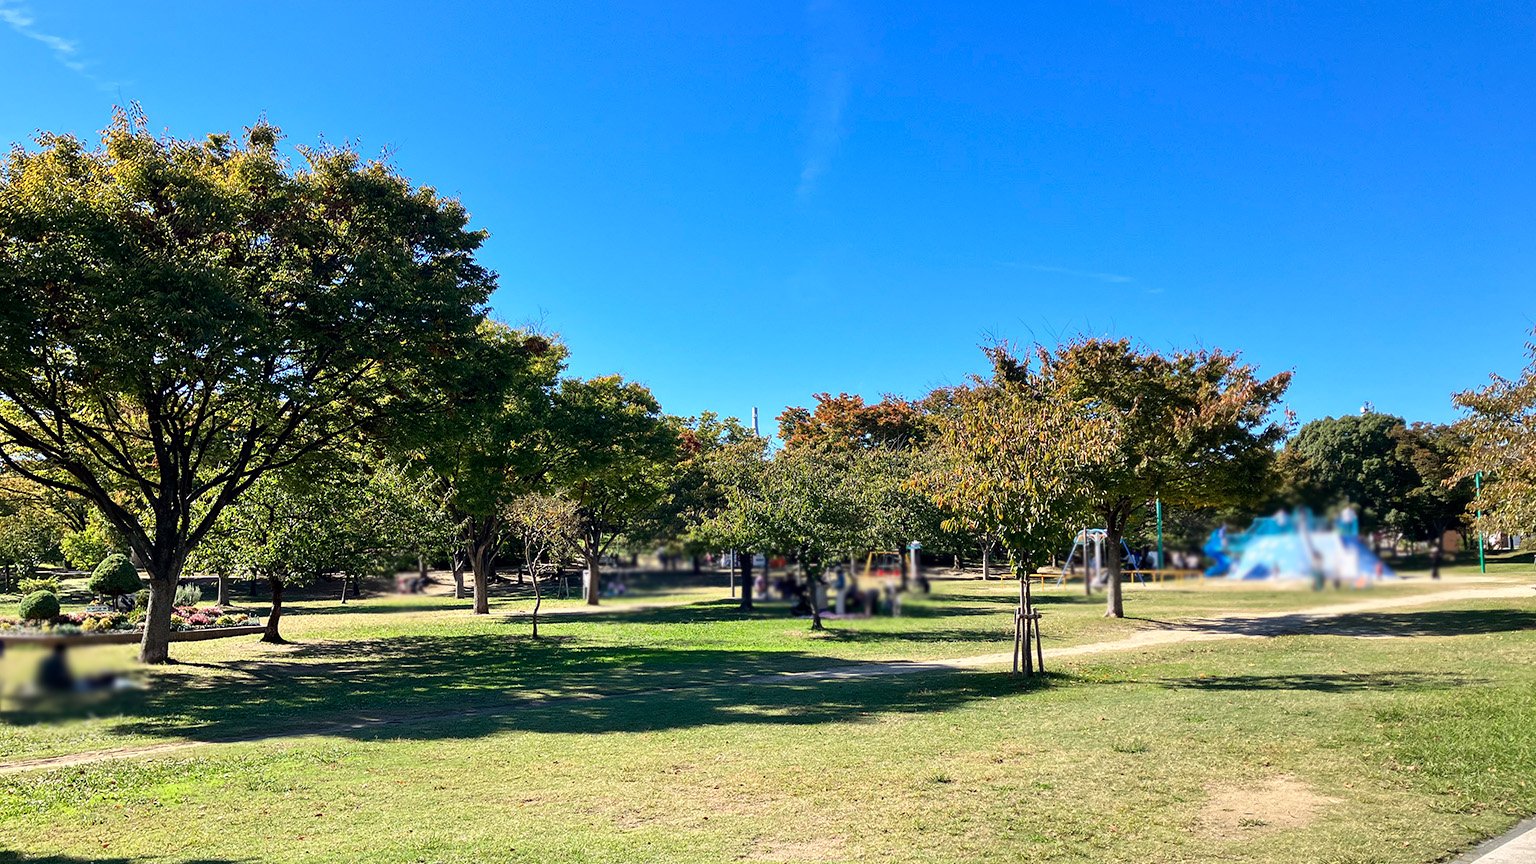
[{"x": 53, "y": 675}]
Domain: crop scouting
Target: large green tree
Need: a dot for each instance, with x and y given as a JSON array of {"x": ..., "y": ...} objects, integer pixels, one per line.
[
  {"x": 1353, "y": 459},
  {"x": 731, "y": 474},
  {"x": 1194, "y": 428},
  {"x": 805, "y": 502},
  {"x": 1439, "y": 498},
  {"x": 491, "y": 440},
  {"x": 179, "y": 318},
  {"x": 30, "y": 530},
  {"x": 613, "y": 453}
]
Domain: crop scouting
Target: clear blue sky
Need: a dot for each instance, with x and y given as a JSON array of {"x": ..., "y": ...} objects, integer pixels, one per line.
[{"x": 743, "y": 204}]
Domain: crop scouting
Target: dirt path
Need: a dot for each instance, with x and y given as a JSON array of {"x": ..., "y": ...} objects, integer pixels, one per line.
[{"x": 1236, "y": 626}]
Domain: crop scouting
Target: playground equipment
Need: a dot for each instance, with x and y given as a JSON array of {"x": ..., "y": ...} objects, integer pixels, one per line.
[
  {"x": 1298, "y": 546},
  {"x": 1091, "y": 542},
  {"x": 1215, "y": 548},
  {"x": 882, "y": 565}
]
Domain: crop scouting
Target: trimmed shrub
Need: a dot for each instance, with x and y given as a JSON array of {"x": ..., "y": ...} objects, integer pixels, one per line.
[
  {"x": 39, "y": 583},
  {"x": 39, "y": 606},
  {"x": 115, "y": 576},
  {"x": 141, "y": 599}
]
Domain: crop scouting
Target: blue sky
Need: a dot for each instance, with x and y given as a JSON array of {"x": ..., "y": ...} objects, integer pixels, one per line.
[{"x": 744, "y": 204}]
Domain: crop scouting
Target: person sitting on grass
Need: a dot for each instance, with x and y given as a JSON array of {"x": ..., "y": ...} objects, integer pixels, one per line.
[{"x": 53, "y": 675}]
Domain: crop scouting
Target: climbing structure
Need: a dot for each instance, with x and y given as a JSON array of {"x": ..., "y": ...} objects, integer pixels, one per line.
[{"x": 1299, "y": 546}]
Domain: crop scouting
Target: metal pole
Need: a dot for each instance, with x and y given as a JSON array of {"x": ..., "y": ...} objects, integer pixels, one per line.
[
  {"x": 1482, "y": 563},
  {"x": 1159, "y": 504}
]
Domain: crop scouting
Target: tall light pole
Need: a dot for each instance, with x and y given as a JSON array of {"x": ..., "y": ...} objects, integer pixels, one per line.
[
  {"x": 1482, "y": 562},
  {"x": 1158, "y": 503}
]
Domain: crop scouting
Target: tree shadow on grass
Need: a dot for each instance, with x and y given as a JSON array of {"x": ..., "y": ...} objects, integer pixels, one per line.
[
  {"x": 946, "y": 634},
  {"x": 1036, "y": 598},
  {"x": 370, "y": 606},
  {"x": 1431, "y": 622},
  {"x": 432, "y": 687},
  {"x": 1324, "y": 682}
]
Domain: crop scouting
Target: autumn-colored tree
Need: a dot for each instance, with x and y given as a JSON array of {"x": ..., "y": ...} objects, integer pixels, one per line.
[
  {"x": 844, "y": 422},
  {"x": 1012, "y": 457},
  {"x": 1194, "y": 428},
  {"x": 1500, "y": 434},
  {"x": 545, "y": 526}
]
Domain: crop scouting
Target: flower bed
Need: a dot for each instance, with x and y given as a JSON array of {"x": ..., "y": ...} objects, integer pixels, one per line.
[{"x": 99, "y": 620}]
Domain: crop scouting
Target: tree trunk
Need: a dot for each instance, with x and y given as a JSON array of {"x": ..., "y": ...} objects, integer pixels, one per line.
[
  {"x": 272, "y": 635},
  {"x": 457, "y": 559},
  {"x": 480, "y": 563},
  {"x": 1114, "y": 607},
  {"x": 421, "y": 568},
  {"x": 156, "y": 646},
  {"x": 591, "y": 581},
  {"x": 483, "y": 534},
  {"x": 538, "y": 598},
  {"x": 223, "y": 589},
  {"x": 812, "y": 577},
  {"x": 343, "y": 588},
  {"x": 986, "y": 562},
  {"x": 1435, "y": 552},
  {"x": 746, "y": 580}
]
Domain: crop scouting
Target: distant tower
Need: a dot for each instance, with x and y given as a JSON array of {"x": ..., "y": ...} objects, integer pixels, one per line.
[{"x": 754, "y": 420}]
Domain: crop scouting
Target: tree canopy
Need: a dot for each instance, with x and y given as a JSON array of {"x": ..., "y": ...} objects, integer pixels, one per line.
[
  {"x": 1194, "y": 428},
  {"x": 1011, "y": 459},
  {"x": 178, "y": 318},
  {"x": 615, "y": 459},
  {"x": 1500, "y": 434}
]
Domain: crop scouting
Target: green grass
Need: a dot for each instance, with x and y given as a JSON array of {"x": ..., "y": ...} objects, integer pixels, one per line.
[{"x": 503, "y": 748}]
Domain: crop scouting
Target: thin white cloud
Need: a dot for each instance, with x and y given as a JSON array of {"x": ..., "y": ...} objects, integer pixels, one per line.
[
  {"x": 826, "y": 131},
  {"x": 20, "y": 18},
  {"x": 1113, "y": 278},
  {"x": 834, "y": 43}
]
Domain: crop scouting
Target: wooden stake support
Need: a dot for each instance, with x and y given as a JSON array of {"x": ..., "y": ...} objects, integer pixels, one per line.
[{"x": 1028, "y": 653}]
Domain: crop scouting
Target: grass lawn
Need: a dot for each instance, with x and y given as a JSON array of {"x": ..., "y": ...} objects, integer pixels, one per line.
[{"x": 404, "y": 729}]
